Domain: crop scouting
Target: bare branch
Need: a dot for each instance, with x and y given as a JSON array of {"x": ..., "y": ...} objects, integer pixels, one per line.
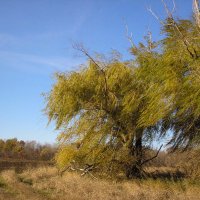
[
  {"x": 129, "y": 36},
  {"x": 156, "y": 16},
  {"x": 81, "y": 48},
  {"x": 169, "y": 13},
  {"x": 196, "y": 12},
  {"x": 86, "y": 170},
  {"x": 174, "y": 7},
  {"x": 145, "y": 161}
]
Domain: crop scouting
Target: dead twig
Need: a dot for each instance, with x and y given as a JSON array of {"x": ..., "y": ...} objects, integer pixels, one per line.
[{"x": 86, "y": 170}]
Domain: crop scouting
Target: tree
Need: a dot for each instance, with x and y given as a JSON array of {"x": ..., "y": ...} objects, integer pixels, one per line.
[
  {"x": 47, "y": 152},
  {"x": 10, "y": 147},
  {"x": 99, "y": 108},
  {"x": 109, "y": 111}
]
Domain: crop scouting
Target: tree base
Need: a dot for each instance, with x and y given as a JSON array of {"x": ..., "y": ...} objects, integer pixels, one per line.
[{"x": 135, "y": 172}]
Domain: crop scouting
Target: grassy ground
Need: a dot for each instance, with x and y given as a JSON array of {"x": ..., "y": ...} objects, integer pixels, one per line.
[{"x": 45, "y": 183}]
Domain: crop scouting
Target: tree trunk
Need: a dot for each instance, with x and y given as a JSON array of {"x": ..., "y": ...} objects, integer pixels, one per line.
[{"x": 135, "y": 169}]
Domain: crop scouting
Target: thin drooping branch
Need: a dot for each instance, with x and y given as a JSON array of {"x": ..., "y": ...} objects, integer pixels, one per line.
[
  {"x": 145, "y": 161},
  {"x": 169, "y": 13},
  {"x": 156, "y": 16},
  {"x": 129, "y": 36}
]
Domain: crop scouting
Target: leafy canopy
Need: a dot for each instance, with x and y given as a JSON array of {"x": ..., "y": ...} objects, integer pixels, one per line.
[{"x": 104, "y": 108}]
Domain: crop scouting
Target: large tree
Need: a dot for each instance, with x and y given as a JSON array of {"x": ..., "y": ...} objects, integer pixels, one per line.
[
  {"x": 99, "y": 108},
  {"x": 112, "y": 110}
]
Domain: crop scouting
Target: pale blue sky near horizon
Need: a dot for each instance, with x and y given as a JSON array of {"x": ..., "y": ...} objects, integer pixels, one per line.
[{"x": 36, "y": 40}]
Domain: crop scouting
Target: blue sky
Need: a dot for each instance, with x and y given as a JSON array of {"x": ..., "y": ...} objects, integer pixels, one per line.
[{"x": 36, "y": 40}]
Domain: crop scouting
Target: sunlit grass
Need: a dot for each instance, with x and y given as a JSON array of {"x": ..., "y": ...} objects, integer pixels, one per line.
[{"x": 47, "y": 182}]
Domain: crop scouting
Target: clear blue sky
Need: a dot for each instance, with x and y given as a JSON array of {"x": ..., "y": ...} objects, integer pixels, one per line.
[{"x": 36, "y": 39}]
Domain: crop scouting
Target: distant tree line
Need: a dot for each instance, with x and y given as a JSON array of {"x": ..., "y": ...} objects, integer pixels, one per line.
[{"x": 30, "y": 150}]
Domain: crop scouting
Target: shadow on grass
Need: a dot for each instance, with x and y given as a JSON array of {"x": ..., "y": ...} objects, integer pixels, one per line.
[{"x": 166, "y": 175}]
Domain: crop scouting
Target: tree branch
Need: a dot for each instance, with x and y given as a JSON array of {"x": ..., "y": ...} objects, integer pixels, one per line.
[
  {"x": 129, "y": 36},
  {"x": 145, "y": 161},
  {"x": 196, "y": 12}
]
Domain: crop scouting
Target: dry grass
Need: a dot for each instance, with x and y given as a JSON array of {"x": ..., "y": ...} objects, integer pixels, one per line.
[
  {"x": 45, "y": 183},
  {"x": 20, "y": 165}
]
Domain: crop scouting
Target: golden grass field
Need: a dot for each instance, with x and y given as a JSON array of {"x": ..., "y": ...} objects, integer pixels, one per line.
[{"x": 44, "y": 183}]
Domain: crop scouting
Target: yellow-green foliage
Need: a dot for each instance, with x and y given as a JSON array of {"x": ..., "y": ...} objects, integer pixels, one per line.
[
  {"x": 90, "y": 104},
  {"x": 105, "y": 107},
  {"x": 172, "y": 78}
]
